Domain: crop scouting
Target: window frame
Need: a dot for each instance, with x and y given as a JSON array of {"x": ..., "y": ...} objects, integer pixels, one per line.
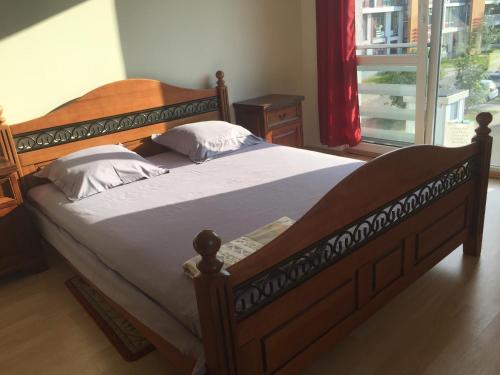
[
  {"x": 427, "y": 63},
  {"x": 420, "y": 62}
]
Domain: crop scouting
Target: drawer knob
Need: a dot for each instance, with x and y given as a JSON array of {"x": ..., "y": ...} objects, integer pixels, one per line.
[{"x": 282, "y": 116}]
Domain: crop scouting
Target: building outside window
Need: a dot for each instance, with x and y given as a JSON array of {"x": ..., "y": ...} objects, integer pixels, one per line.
[
  {"x": 396, "y": 61},
  {"x": 378, "y": 28},
  {"x": 395, "y": 26},
  {"x": 453, "y": 112}
]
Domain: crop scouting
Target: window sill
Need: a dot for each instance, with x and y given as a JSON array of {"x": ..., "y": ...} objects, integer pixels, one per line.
[
  {"x": 495, "y": 172},
  {"x": 370, "y": 150}
]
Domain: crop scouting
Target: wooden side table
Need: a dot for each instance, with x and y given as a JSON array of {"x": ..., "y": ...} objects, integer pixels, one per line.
[
  {"x": 277, "y": 118},
  {"x": 20, "y": 247}
]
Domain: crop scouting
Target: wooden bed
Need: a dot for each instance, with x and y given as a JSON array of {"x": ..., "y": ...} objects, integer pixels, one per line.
[{"x": 367, "y": 239}]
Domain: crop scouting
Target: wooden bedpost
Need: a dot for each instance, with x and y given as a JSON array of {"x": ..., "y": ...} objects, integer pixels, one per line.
[
  {"x": 3, "y": 136},
  {"x": 214, "y": 306},
  {"x": 8, "y": 151},
  {"x": 7, "y": 147},
  {"x": 223, "y": 97},
  {"x": 472, "y": 245}
]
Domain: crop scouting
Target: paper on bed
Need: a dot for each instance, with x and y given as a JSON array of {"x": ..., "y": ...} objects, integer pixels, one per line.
[{"x": 238, "y": 249}]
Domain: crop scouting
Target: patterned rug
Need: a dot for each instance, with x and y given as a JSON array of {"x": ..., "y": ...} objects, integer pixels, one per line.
[{"x": 122, "y": 334}]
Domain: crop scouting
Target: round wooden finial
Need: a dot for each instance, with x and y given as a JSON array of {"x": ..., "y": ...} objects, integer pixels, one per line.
[
  {"x": 220, "y": 78},
  {"x": 483, "y": 119},
  {"x": 207, "y": 243}
]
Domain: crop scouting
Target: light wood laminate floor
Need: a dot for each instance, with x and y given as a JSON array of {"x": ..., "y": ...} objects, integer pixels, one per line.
[{"x": 448, "y": 322}]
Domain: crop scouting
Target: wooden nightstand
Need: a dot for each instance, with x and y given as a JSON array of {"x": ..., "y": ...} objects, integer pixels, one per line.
[
  {"x": 277, "y": 118},
  {"x": 20, "y": 248}
]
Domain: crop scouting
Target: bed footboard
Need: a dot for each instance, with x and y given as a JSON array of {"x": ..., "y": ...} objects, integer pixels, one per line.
[{"x": 366, "y": 240}]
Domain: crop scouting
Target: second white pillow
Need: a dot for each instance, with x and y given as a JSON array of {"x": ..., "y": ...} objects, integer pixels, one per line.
[{"x": 205, "y": 140}]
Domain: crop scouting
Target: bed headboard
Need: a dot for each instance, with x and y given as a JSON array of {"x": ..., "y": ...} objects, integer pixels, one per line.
[{"x": 126, "y": 112}]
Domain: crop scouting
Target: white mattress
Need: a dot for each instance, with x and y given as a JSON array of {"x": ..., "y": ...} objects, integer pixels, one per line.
[
  {"x": 122, "y": 292},
  {"x": 143, "y": 232}
]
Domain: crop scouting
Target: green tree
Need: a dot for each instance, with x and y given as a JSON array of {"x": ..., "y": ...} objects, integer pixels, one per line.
[
  {"x": 485, "y": 36},
  {"x": 469, "y": 73},
  {"x": 471, "y": 68}
]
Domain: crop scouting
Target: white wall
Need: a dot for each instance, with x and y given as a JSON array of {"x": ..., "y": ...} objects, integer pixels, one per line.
[
  {"x": 309, "y": 73},
  {"x": 60, "y": 56},
  {"x": 57, "y": 59}
]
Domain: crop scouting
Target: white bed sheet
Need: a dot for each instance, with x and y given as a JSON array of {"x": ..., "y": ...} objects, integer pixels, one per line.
[
  {"x": 122, "y": 292},
  {"x": 143, "y": 231}
]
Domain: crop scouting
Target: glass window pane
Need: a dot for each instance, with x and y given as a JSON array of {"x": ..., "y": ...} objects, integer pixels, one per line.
[
  {"x": 469, "y": 73},
  {"x": 386, "y": 28},
  {"x": 387, "y": 104},
  {"x": 383, "y": 22}
]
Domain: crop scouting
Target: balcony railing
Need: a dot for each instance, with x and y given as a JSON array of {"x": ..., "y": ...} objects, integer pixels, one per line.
[
  {"x": 384, "y": 3},
  {"x": 384, "y": 48},
  {"x": 386, "y": 103}
]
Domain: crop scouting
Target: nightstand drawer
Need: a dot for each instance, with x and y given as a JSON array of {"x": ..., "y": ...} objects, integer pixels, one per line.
[
  {"x": 279, "y": 116},
  {"x": 288, "y": 135}
]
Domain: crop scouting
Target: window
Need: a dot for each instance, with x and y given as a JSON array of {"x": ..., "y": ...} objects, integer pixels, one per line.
[
  {"x": 395, "y": 27},
  {"x": 387, "y": 104},
  {"x": 378, "y": 28},
  {"x": 425, "y": 69},
  {"x": 453, "y": 112},
  {"x": 468, "y": 65},
  {"x": 365, "y": 27},
  {"x": 387, "y": 75}
]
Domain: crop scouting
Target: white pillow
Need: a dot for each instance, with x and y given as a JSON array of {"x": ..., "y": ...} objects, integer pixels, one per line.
[
  {"x": 205, "y": 140},
  {"x": 96, "y": 169}
]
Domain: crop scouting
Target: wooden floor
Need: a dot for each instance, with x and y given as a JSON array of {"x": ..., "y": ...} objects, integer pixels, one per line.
[{"x": 446, "y": 323}]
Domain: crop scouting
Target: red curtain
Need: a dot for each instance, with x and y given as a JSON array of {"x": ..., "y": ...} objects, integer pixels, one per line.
[{"x": 337, "y": 77}]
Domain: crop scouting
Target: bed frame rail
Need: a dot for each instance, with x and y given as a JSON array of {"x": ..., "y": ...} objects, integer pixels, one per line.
[{"x": 359, "y": 246}]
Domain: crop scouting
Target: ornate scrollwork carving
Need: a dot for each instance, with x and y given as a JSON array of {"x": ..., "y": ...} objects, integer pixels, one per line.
[
  {"x": 76, "y": 132},
  {"x": 262, "y": 289}
]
